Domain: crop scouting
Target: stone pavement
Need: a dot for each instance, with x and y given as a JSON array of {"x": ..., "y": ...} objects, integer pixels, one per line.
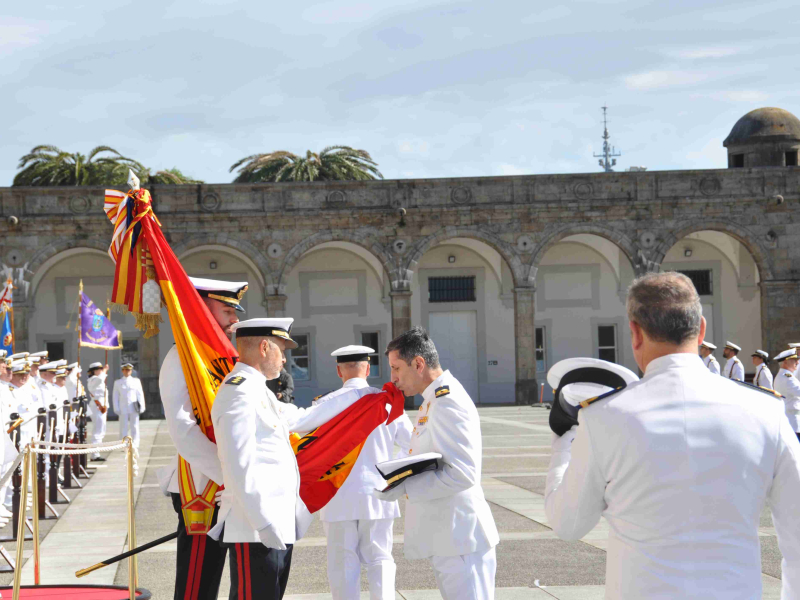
[{"x": 531, "y": 561}]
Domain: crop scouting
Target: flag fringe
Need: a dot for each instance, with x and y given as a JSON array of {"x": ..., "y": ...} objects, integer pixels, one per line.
[{"x": 148, "y": 322}]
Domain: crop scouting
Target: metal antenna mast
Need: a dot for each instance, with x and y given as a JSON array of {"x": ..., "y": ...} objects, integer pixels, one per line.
[{"x": 607, "y": 159}]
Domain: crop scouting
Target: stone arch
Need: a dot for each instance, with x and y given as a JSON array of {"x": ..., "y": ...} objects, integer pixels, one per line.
[
  {"x": 248, "y": 251},
  {"x": 518, "y": 269},
  {"x": 622, "y": 241},
  {"x": 35, "y": 269},
  {"x": 744, "y": 236},
  {"x": 359, "y": 239}
]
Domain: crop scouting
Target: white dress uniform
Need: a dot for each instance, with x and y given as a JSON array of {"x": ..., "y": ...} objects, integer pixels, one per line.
[
  {"x": 712, "y": 364},
  {"x": 24, "y": 405},
  {"x": 763, "y": 377},
  {"x": 787, "y": 385},
  {"x": 680, "y": 464},
  {"x": 359, "y": 526},
  {"x": 128, "y": 399},
  {"x": 447, "y": 517},
  {"x": 734, "y": 369},
  {"x": 96, "y": 387}
]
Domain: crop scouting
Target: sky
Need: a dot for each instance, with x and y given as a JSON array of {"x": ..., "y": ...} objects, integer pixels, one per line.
[{"x": 430, "y": 89}]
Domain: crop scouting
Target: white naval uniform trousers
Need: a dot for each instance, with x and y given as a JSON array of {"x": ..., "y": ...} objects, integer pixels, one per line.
[
  {"x": 96, "y": 386},
  {"x": 357, "y": 525},
  {"x": 680, "y": 464},
  {"x": 787, "y": 385},
  {"x": 712, "y": 364},
  {"x": 128, "y": 399},
  {"x": 763, "y": 377},
  {"x": 734, "y": 369},
  {"x": 448, "y": 520}
]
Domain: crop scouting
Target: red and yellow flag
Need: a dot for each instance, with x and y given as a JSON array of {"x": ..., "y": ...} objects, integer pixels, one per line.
[{"x": 148, "y": 274}]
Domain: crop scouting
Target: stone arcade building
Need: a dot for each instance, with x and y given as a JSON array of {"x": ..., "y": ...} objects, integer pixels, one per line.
[{"x": 510, "y": 274}]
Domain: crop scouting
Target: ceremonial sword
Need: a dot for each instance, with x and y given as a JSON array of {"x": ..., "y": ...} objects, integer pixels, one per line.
[{"x": 119, "y": 557}]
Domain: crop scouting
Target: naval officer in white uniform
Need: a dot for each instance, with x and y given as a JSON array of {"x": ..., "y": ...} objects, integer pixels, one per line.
[
  {"x": 763, "y": 376},
  {"x": 448, "y": 520},
  {"x": 357, "y": 525},
  {"x": 680, "y": 464},
  {"x": 128, "y": 399},
  {"x": 734, "y": 369},
  {"x": 200, "y": 560},
  {"x": 787, "y": 385},
  {"x": 709, "y": 360},
  {"x": 98, "y": 404}
]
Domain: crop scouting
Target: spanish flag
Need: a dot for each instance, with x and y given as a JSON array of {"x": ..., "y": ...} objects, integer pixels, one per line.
[{"x": 148, "y": 274}]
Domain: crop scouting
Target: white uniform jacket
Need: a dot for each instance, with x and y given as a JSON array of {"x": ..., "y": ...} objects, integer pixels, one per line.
[
  {"x": 680, "y": 464},
  {"x": 734, "y": 369},
  {"x": 37, "y": 397},
  {"x": 128, "y": 391},
  {"x": 763, "y": 377},
  {"x": 258, "y": 464},
  {"x": 97, "y": 389},
  {"x": 446, "y": 512},
  {"x": 191, "y": 443},
  {"x": 354, "y": 499},
  {"x": 712, "y": 364},
  {"x": 787, "y": 385}
]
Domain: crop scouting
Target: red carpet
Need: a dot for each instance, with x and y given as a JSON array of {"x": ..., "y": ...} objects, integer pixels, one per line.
[{"x": 74, "y": 592}]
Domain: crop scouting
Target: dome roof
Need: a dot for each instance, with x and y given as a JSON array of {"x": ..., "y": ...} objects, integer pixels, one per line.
[{"x": 764, "y": 125}]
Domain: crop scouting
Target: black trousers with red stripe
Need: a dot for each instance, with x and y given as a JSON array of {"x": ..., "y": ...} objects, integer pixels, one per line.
[
  {"x": 258, "y": 572},
  {"x": 200, "y": 561}
]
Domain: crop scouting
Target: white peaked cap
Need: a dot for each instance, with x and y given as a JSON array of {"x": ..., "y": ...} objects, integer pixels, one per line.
[
  {"x": 352, "y": 353},
  {"x": 41, "y": 354},
  {"x": 266, "y": 327},
  {"x": 732, "y": 346},
  {"x": 579, "y": 391},
  {"x": 708, "y": 345},
  {"x": 96, "y": 365},
  {"x": 786, "y": 354},
  {"x": 761, "y": 353},
  {"x": 18, "y": 355},
  {"x": 227, "y": 292}
]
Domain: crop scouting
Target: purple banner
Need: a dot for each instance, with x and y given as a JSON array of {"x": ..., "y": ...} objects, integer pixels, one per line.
[{"x": 96, "y": 330}]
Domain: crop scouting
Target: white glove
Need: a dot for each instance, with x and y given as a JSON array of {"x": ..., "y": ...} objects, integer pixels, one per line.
[
  {"x": 564, "y": 442},
  {"x": 391, "y": 495},
  {"x": 270, "y": 538},
  {"x": 218, "y": 497}
]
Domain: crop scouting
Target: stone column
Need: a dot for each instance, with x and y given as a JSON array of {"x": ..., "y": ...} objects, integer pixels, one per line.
[
  {"x": 401, "y": 322},
  {"x": 780, "y": 315},
  {"x": 401, "y": 312},
  {"x": 149, "y": 367},
  {"x": 276, "y": 305},
  {"x": 526, "y": 390}
]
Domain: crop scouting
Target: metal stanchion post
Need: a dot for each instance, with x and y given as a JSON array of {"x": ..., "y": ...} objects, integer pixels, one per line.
[
  {"x": 82, "y": 435},
  {"x": 41, "y": 425},
  {"x": 36, "y": 563},
  {"x": 52, "y": 417},
  {"x": 26, "y": 469},
  {"x": 132, "y": 564},
  {"x": 76, "y": 461},
  {"x": 67, "y": 458}
]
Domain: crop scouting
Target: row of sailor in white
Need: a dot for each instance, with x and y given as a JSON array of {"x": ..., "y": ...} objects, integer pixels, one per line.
[
  {"x": 734, "y": 369},
  {"x": 190, "y": 442},
  {"x": 707, "y": 353},
  {"x": 128, "y": 401},
  {"x": 763, "y": 376},
  {"x": 680, "y": 464},
  {"x": 261, "y": 499},
  {"x": 52, "y": 394},
  {"x": 787, "y": 385},
  {"x": 25, "y": 403},
  {"x": 357, "y": 525}
]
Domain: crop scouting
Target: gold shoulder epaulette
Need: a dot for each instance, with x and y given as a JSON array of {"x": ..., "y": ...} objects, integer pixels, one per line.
[
  {"x": 442, "y": 391},
  {"x": 322, "y": 395},
  {"x": 236, "y": 380},
  {"x": 586, "y": 403},
  {"x": 758, "y": 388}
]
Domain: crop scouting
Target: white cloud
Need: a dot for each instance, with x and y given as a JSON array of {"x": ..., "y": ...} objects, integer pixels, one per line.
[
  {"x": 652, "y": 80},
  {"x": 700, "y": 53},
  {"x": 512, "y": 170}
]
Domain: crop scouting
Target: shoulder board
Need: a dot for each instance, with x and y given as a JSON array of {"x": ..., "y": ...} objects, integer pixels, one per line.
[
  {"x": 323, "y": 395},
  {"x": 758, "y": 388},
  {"x": 442, "y": 391},
  {"x": 586, "y": 403},
  {"x": 237, "y": 380},
  {"x": 788, "y": 374}
]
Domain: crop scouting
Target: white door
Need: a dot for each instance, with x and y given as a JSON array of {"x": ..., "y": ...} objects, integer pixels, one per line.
[{"x": 455, "y": 335}]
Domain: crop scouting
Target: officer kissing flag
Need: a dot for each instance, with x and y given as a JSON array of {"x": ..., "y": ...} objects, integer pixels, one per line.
[{"x": 147, "y": 274}]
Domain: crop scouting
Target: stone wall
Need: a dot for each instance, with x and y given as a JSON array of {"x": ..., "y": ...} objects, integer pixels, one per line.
[{"x": 643, "y": 213}]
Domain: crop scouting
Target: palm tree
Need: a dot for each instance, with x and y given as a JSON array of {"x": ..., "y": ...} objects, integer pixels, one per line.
[
  {"x": 334, "y": 163},
  {"x": 51, "y": 166},
  {"x": 172, "y": 176}
]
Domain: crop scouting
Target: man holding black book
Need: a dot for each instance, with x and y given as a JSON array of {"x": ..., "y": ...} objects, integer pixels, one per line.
[{"x": 448, "y": 520}]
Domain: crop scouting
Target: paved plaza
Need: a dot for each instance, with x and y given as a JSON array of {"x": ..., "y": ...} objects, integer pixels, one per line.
[{"x": 531, "y": 561}]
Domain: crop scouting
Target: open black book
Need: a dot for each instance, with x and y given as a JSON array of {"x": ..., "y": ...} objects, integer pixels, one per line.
[{"x": 396, "y": 471}]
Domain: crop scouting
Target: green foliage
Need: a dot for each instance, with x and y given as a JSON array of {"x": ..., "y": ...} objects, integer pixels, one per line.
[
  {"x": 51, "y": 166},
  {"x": 172, "y": 176},
  {"x": 334, "y": 163}
]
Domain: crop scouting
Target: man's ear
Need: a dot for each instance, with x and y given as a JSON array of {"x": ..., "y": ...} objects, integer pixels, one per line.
[
  {"x": 702, "y": 335},
  {"x": 419, "y": 364},
  {"x": 637, "y": 335}
]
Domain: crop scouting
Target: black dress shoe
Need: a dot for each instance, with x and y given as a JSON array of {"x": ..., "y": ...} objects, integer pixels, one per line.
[{"x": 98, "y": 459}]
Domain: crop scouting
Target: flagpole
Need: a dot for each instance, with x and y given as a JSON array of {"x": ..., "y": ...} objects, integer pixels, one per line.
[{"x": 13, "y": 335}]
